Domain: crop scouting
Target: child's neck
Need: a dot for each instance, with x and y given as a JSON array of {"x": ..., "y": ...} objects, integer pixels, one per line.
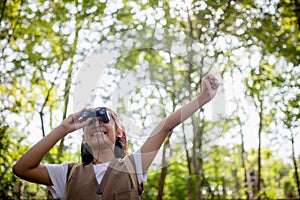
[{"x": 103, "y": 155}]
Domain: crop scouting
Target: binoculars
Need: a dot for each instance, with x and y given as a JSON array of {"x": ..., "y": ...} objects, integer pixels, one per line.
[{"x": 100, "y": 113}]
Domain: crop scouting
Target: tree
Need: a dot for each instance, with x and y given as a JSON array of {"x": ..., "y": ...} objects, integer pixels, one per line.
[
  {"x": 290, "y": 111},
  {"x": 43, "y": 44}
]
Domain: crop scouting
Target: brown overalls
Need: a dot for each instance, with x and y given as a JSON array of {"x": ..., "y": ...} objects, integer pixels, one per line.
[{"x": 117, "y": 183}]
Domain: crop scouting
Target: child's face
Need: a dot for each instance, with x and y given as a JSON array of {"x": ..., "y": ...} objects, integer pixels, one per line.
[{"x": 99, "y": 133}]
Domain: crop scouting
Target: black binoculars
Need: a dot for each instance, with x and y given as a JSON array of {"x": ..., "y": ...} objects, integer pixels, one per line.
[{"x": 100, "y": 113}]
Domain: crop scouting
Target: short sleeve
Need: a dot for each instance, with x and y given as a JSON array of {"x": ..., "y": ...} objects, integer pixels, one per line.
[
  {"x": 58, "y": 175},
  {"x": 142, "y": 177}
]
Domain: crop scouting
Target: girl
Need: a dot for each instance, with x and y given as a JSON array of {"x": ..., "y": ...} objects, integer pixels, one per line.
[{"x": 109, "y": 173}]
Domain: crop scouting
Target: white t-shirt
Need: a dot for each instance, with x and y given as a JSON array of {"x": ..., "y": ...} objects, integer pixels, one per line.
[{"x": 58, "y": 174}]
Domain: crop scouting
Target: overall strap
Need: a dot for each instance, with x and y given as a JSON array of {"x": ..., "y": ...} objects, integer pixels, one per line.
[
  {"x": 71, "y": 170},
  {"x": 132, "y": 172}
]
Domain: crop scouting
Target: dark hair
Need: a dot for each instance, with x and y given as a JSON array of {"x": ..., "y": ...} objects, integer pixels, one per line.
[{"x": 121, "y": 144}]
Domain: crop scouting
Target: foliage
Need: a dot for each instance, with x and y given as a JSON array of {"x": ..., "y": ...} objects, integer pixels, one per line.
[
  {"x": 254, "y": 44},
  {"x": 10, "y": 150}
]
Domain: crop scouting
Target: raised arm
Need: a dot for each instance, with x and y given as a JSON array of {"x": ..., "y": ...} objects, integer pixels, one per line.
[
  {"x": 161, "y": 131},
  {"x": 29, "y": 166}
]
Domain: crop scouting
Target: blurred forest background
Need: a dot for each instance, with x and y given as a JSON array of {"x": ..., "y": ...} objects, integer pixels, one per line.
[{"x": 253, "y": 45}]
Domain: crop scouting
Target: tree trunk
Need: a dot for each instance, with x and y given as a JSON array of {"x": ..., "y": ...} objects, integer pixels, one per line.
[
  {"x": 259, "y": 150},
  {"x": 189, "y": 180},
  {"x": 164, "y": 170},
  {"x": 69, "y": 78},
  {"x": 246, "y": 180},
  {"x": 295, "y": 164},
  {"x": 199, "y": 164},
  {"x": 66, "y": 100},
  {"x": 166, "y": 145}
]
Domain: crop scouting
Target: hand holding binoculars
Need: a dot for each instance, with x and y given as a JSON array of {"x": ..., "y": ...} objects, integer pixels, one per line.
[{"x": 100, "y": 113}]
